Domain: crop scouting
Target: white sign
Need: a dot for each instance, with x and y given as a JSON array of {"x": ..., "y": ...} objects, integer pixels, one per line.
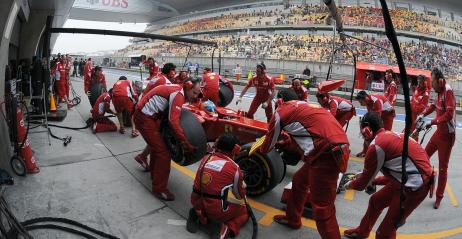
[{"x": 377, "y": 86}]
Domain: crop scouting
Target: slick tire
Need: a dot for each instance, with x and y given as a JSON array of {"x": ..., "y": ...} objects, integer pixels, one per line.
[
  {"x": 225, "y": 94},
  {"x": 194, "y": 133},
  {"x": 262, "y": 172},
  {"x": 95, "y": 91}
]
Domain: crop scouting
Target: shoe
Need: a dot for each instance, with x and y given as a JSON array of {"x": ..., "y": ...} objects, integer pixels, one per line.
[
  {"x": 222, "y": 233},
  {"x": 282, "y": 219},
  {"x": 192, "y": 224},
  {"x": 166, "y": 195},
  {"x": 34, "y": 170},
  {"x": 122, "y": 130},
  {"x": 143, "y": 161},
  {"x": 134, "y": 133},
  {"x": 437, "y": 203},
  {"x": 354, "y": 233}
]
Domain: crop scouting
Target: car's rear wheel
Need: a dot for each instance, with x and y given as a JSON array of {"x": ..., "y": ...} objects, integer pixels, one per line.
[
  {"x": 262, "y": 172},
  {"x": 195, "y": 134}
]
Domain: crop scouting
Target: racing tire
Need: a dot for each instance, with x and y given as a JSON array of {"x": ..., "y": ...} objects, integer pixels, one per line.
[
  {"x": 18, "y": 166},
  {"x": 262, "y": 172},
  {"x": 95, "y": 91},
  {"x": 196, "y": 136},
  {"x": 225, "y": 94}
]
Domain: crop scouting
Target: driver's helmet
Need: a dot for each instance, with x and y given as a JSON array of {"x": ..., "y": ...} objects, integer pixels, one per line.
[{"x": 209, "y": 106}]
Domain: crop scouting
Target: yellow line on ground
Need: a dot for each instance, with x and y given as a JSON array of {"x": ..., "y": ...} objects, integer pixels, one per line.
[
  {"x": 349, "y": 195},
  {"x": 269, "y": 212},
  {"x": 452, "y": 197},
  {"x": 356, "y": 159}
]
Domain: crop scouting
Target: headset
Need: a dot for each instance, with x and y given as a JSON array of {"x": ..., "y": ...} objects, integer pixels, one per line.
[{"x": 366, "y": 131}]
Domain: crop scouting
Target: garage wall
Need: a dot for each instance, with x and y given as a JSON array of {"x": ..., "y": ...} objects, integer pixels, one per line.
[{"x": 6, "y": 6}]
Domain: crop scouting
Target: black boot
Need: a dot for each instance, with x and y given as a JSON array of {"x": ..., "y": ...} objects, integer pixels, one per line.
[{"x": 192, "y": 224}]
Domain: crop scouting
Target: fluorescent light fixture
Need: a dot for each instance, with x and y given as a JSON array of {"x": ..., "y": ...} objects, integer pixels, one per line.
[{"x": 10, "y": 21}]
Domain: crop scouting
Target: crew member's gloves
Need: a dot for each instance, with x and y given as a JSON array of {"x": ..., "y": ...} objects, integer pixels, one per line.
[
  {"x": 428, "y": 124},
  {"x": 238, "y": 101},
  {"x": 264, "y": 105},
  {"x": 346, "y": 186},
  {"x": 419, "y": 118}
]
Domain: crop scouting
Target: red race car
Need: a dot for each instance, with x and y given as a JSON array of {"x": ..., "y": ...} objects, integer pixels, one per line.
[{"x": 262, "y": 171}]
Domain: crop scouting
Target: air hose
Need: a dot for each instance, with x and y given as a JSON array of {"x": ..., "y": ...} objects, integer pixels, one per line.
[{"x": 29, "y": 225}]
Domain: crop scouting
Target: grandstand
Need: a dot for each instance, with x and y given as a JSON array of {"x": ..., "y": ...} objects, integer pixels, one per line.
[{"x": 302, "y": 33}]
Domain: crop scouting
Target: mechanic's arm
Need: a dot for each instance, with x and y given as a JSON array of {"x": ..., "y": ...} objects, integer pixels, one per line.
[
  {"x": 333, "y": 108},
  {"x": 377, "y": 107},
  {"x": 176, "y": 102},
  {"x": 238, "y": 185},
  {"x": 450, "y": 106},
  {"x": 429, "y": 109},
  {"x": 273, "y": 92},
  {"x": 272, "y": 136},
  {"x": 249, "y": 84},
  {"x": 372, "y": 165}
]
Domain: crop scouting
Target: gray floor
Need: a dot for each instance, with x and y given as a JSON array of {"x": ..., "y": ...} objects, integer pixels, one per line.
[{"x": 96, "y": 181}]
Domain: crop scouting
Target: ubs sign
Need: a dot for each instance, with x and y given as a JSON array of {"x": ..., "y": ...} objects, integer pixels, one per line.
[{"x": 110, "y": 3}]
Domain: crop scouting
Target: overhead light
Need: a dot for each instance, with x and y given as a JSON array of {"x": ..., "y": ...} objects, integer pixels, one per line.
[{"x": 10, "y": 21}]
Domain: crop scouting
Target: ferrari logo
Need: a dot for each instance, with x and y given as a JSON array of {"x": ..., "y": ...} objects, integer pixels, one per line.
[{"x": 228, "y": 128}]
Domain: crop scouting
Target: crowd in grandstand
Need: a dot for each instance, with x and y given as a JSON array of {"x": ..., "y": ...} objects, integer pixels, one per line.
[
  {"x": 403, "y": 19},
  {"x": 316, "y": 48}
]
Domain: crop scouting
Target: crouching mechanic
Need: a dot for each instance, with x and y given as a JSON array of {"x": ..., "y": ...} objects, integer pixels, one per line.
[
  {"x": 124, "y": 99},
  {"x": 326, "y": 152},
  {"x": 162, "y": 104},
  {"x": 265, "y": 92},
  {"x": 384, "y": 154},
  {"x": 342, "y": 109},
  {"x": 102, "y": 105},
  {"x": 216, "y": 175}
]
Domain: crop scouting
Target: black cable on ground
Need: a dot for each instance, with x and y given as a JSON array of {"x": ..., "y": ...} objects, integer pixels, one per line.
[
  {"x": 60, "y": 228},
  {"x": 67, "y": 221},
  {"x": 391, "y": 35},
  {"x": 253, "y": 218}
]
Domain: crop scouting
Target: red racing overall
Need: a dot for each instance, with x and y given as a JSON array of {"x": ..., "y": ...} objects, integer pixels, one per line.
[
  {"x": 342, "y": 109},
  {"x": 263, "y": 87},
  {"x": 59, "y": 72},
  {"x": 161, "y": 79},
  {"x": 316, "y": 132},
  {"x": 390, "y": 92},
  {"x": 123, "y": 96},
  {"x": 162, "y": 101},
  {"x": 384, "y": 154},
  {"x": 153, "y": 70},
  {"x": 87, "y": 75},
  {"x": 220, "y": 174},
  {"x": 419, "y": 103},
  {"x": 380, "y": 104},
  {"x": 211, "y": 87},
  {"x": 101, "y": 106},
  {"x": 444, "y": 137}
]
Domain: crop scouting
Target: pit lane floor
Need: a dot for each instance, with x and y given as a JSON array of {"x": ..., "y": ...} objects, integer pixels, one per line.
[{"x": 95, "y": 180}]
